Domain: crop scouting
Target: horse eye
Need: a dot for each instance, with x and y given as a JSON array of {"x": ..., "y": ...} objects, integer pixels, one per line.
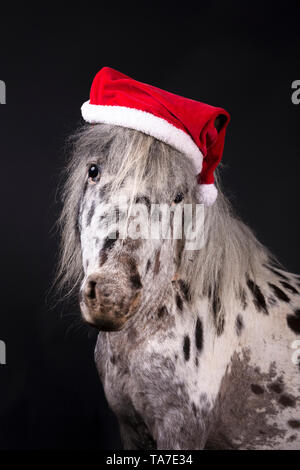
[
  {"x": 93, "y": 172},
  {"x": 178, "y": 198}
]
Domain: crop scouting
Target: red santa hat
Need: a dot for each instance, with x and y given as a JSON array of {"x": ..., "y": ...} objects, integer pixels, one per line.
[{"x": 195, "y": 129}]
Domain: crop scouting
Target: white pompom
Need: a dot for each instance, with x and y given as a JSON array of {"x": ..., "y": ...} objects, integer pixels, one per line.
[{"x": 207, "y": 194}]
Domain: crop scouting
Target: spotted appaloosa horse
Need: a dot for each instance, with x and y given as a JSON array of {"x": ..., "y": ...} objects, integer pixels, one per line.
[{"x": 197, "y": 349}]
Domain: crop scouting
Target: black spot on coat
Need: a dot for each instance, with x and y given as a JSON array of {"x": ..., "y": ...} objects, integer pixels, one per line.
[
  {"x": 220, "y": 325},
  {"x": 179, "y": 302},
  {"x": 216, "y": 304},
  {"x": 276, "y": 387},
  {"x": 184, "y": 287},
  {"x": 257, "y": 389},
  {"x": 293, "y": 321},
  {"x": 199, "y": 335},
  {"x": 90, "y": 214},
  {"x": 113, "y": 359},
  {"x": 243, "y": 298},
  {"x": 136, "y": 281},
  {"x": 294, "y": 423},
  {"x": 219, "y": 321},
  {"x": 279, "y": 293},
  {"x": 186, "y": 347},
  {"x": 148, "y": 265},
  {"x": 239, "y": 324},
  {"x": 156, "y": 263},
  {"x": 194, "y": 408},
  {"x": 287, "y": 400},
  {"x": 162, "y": 312},
  {"x": 258, "y": 297}
]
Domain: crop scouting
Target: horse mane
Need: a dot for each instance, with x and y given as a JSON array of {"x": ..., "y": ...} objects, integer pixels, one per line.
[{"x": 231, "y": 250}]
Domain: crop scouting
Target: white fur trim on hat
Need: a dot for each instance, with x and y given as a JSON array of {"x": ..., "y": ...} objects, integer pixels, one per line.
[
  {"x": 145, "y": 122},
  {"x": 207, "y": 194}
]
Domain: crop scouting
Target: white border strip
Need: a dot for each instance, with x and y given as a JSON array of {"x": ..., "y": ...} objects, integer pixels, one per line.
[{"x": 147, "y": 123}]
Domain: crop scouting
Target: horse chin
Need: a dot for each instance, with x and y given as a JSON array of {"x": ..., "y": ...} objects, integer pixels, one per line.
[
  {"x": 111, "y": 318},
  {"x": 102, "y": 323}
]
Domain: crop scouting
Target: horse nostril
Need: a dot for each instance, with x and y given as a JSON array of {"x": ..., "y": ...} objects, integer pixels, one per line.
[{"x": 91, "y": 290}]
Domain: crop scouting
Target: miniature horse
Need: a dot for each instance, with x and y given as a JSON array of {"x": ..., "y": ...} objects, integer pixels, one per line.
[{"x": 196, "y": 348}]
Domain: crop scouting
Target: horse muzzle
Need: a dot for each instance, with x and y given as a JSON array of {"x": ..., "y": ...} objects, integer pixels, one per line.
[{"x": 106, "y": 303}]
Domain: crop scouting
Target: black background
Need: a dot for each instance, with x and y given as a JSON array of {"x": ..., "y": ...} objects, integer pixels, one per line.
[{"x": 241, "y": 56}]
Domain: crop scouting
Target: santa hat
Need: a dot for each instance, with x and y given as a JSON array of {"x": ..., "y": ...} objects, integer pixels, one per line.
[{"x": 195, "y": 129}]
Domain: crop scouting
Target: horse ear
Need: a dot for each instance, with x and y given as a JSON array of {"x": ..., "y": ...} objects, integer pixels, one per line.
[{"x": 220, "y": 122}]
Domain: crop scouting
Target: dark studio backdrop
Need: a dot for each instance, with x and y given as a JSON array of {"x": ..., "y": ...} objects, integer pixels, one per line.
[{"x": 241, "y": 56}]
